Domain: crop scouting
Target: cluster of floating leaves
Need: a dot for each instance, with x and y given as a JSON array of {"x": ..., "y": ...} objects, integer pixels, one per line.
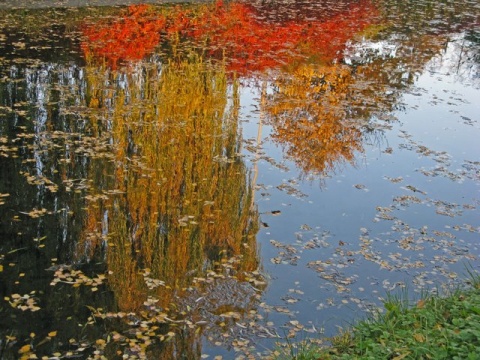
[
  {"x": 6, "y": 150},
  {"x": 443, "y": 246},
  {"x": 213, "y": 304},
  {"x": 67, "y": 275},
  {"x": 39, "y": 179},
  {"x": 28, "y": 351},
  {"x": 450, "y": 248},
  {"x": 23, "y": 302},
  {"x": 469, "y": 170}
]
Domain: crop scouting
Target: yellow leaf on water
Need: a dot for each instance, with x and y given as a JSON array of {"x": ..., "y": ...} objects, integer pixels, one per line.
[
  {"x": 52, "y": 333},
  {"x": 24, "y": 349}
]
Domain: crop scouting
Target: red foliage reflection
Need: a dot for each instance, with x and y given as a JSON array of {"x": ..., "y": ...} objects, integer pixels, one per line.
[
  {"x": 252, "y": 43},
  {"x": 131, "y": 37},
  {"x": 239, "y": 33}
]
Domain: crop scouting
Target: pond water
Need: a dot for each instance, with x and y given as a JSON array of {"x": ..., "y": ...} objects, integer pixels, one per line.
[{"x": 208, "y": 180}]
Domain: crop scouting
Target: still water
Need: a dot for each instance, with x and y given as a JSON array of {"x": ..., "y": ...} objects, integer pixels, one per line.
[{"x": 206, "y": 180}]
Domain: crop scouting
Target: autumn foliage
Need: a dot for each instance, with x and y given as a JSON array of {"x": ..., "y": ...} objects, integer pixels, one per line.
[
  {"x": 238, "y": 33},
  {"x": 131, "y": 37},
  {"x": 253, "y": 43}
]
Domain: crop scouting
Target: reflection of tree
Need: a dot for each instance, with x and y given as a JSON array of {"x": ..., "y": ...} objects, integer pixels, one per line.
[
  {"x": 444, "y": 24},
  {"x": 252, "y": 37},
  {"x": 130, "y": 37},
  {"x": 257, "y": 38},
  {"x": 44, "y": 172},
  {"x": 430, "y": 17},
  {"x": 245, "y": 36},
  {"x": 181, "y": 201},
  {"x": 307, "y": 115},
  {"x": 261, "y": 35},
  {"x": 322, "y": 113},
  {"x": 172, "y": 198},
  {"x": 460, "y": 56}
]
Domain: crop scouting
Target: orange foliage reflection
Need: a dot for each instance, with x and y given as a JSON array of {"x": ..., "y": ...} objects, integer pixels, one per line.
[
  {"x": 321, "y": 114},
  {"x": 309, "y": 119}
]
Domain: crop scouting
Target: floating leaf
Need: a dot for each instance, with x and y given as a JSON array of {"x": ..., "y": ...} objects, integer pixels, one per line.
[{"x": 24, "y": 349}]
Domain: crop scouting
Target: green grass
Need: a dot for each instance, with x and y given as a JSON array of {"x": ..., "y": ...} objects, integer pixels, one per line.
[{"x": 434, "y": 327}]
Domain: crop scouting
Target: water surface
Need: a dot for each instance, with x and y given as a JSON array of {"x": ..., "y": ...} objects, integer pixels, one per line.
[{"x": 202, "y": 180}]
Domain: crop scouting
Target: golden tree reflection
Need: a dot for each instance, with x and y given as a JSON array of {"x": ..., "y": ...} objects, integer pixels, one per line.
[
  {"x": 308, "y": 117},
  {"x": 181, "y": 199}
]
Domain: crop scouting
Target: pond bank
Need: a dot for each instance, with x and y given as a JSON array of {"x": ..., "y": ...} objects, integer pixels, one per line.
[{"x": 434, "y": 327}]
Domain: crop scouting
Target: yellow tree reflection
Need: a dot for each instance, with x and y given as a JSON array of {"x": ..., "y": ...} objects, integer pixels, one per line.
[{"x": 181, "y": 199}]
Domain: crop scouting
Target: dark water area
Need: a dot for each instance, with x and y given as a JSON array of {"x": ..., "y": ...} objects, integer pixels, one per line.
[{"x": 208, "y": 180}]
